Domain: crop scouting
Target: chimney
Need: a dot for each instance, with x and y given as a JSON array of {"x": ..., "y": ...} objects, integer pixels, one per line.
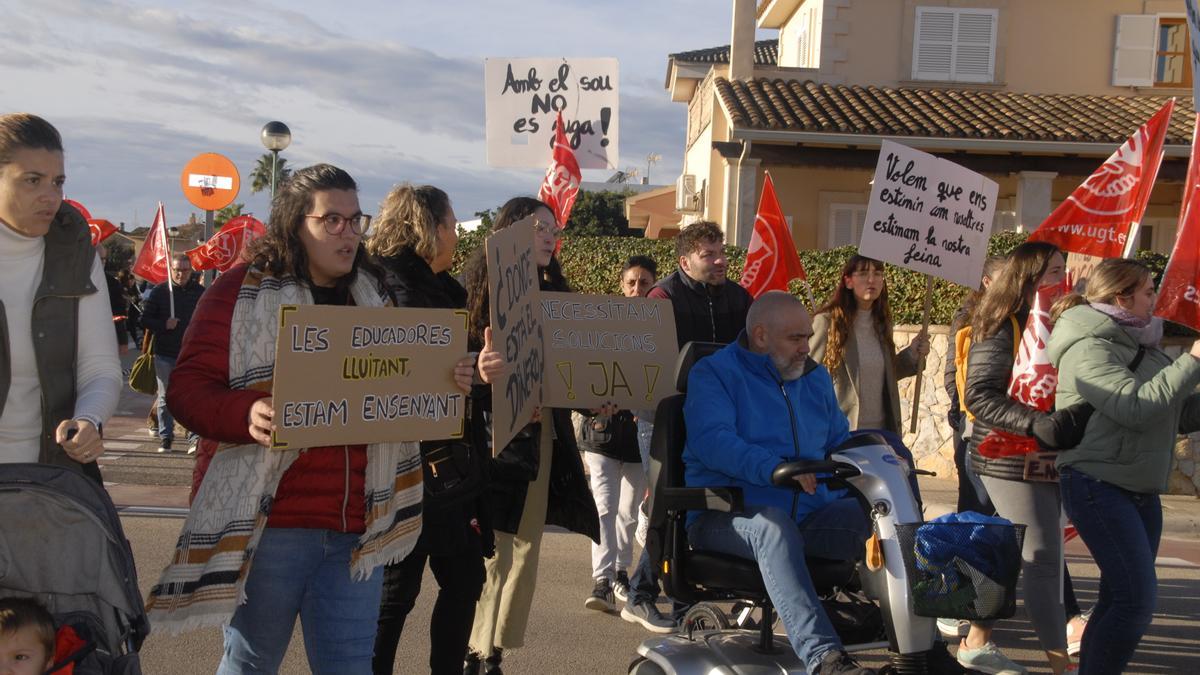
[{"x": 741, "y": 44}]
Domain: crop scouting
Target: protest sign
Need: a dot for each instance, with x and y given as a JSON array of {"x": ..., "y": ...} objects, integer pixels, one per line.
[
  {"x": 608, "y": 349},
  {"x": 516, "y": 329},
  {"x": 929, "y": 215},
  {"x": 348, "y": 375},
  {"x": 523, "y": 96}
]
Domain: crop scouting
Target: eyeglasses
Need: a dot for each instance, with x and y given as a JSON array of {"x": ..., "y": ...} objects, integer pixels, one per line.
[
  {"x": 549, "y": 229},
  {"x": 335, "y": 223}
]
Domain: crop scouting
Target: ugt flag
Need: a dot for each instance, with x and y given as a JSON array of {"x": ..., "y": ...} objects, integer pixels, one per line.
[
  {"x": 154, "y": 261},
  {"x": 562, "y": 178},
  {"x": 771, "y": 260},
  {"x": 1096, "y": 218},
  {"x": 1033, "y": 380},
  {"x": 101, "y": 229},
  {"x": 225, "y": 248},
  {"x": 1178, "y": 299}
]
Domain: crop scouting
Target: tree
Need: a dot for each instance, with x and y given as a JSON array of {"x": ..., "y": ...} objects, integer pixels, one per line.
[
  {"x": 120, "y": 254},
  {"x": 601, "y": 214},
  {"x": 261, "y": 176},
  {"x": 228, "y": 213}
]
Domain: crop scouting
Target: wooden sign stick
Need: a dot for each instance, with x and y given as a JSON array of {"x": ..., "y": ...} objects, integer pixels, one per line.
[{"x": 912, "y": 420}]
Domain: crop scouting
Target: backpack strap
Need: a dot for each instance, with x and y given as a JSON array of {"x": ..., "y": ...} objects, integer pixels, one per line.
[{"x": 1137, "y": 359}]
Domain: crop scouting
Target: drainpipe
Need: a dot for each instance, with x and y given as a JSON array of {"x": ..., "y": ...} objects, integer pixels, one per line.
[{"x": 737, "y": 196}]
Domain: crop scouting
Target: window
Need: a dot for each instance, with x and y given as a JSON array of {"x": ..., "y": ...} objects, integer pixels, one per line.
[
  {"x": 955, "y": 45},
  {"x": 846, "y": 224},
  {"x": 1152, "y": 51}
]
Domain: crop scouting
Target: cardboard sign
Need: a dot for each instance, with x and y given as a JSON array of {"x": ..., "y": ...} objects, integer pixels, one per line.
[
  {"x": 929, "y": 215},
  {"x": 1039, "y": 467},
  {"x": 210, "y": 181},
  {"x": 522, "y": 97},
  {"x": 348, "y": 375},
  {"x": 516, "y": 329},
  {"x": 608, "y": 349}
]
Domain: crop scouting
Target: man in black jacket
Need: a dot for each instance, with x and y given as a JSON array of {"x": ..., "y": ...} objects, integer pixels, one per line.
[
  {"x": 707, "y": 309},
  {"x": 166, "y": 314}
]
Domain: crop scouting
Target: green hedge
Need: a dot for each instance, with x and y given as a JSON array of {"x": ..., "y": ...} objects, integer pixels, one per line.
[{"x": 592, "y": 264}]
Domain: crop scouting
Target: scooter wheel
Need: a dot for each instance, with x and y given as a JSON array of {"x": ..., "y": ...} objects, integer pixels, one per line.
[
  {"x": 644, "y": 666},
  {"x": 705, "y": 616}
]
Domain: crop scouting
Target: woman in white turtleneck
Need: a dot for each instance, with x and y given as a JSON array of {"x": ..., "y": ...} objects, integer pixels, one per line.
[
  {"x": 852, "y": 337},
  {"x": 50, "y": 277}
]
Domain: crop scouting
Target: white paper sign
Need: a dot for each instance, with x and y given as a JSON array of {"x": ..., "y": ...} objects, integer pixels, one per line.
[
  {"x": 197, "y": 180},
  {"x": 522, "y": 98},
  {"x": 929, "y": 215},
  {"x": 1193, "y": 15}
]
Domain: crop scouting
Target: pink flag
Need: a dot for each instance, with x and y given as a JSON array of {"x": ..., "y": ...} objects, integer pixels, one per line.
[{"x": 154, "y": 261}]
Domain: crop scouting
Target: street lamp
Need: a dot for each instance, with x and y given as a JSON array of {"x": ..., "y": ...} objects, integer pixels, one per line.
[
  {"x": 651, "y": 159},
  {"x": 275, "y": 137}
]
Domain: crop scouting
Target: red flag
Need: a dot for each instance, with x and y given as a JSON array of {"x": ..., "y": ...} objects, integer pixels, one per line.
[
  {"x": 771, "y": 261},
  {"x": 562, "y": 178},
  {"x": 87, "y": 215},
  {"x": 154, "y": 261},
  {"x": 1034, "y": 379},
  {"x": 225, "y": 247},
  {"x": 1096, "y": 218},
  {"x": 1177, "y": 294},
  {"x": 101, "y": 230}
]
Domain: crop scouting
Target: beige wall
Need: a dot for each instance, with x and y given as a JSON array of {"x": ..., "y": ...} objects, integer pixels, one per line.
[{"x": 1042, "y": 46}]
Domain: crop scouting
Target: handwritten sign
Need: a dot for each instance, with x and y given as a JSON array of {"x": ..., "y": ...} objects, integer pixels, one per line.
[
  {"x": 608, "y": 349},
  {"x": 929, "y": 215},
  {"x": 522, "y": 97},
  {"x": 516, "y": 329},
  {"x": 348, "y": 375}
]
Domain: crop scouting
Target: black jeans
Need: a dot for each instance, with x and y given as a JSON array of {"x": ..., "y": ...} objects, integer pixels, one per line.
[{"x": 460, "y": 580}]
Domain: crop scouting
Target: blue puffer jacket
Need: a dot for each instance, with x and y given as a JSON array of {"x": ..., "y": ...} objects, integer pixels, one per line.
[{"x": 737, "y": 413}]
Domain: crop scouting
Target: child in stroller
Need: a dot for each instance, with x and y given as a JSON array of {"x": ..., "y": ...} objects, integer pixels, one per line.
[{"x": 30, "y": 644}]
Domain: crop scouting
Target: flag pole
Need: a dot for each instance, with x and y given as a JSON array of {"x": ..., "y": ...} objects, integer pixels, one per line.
[
  {"x": 167, "y": 251},
  {"x": 912, "y": 419},
  {"x": 808, "y": 289}
]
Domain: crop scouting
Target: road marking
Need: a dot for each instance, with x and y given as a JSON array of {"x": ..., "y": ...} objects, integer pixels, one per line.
[
  {"x": 120, "y": 445},
  {"x": 1173, "y": 562}
]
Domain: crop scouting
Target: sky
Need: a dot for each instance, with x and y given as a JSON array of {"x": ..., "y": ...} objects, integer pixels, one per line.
[{"x": 389, "y": 91}]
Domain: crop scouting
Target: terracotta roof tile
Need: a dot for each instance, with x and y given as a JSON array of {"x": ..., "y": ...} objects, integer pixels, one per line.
[
  {"x": 766, "y": 53},
  {"x": 791, "y": 105}
]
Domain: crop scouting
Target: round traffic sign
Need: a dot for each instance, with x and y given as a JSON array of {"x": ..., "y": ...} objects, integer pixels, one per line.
[{"x": 210, "y": 181}]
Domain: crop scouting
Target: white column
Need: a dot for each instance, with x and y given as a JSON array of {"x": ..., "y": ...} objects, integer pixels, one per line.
[
  {"x": 1033, "y": 198},
  {"x": 741, "y": 43},
  {"x": 741, "y": 200}
]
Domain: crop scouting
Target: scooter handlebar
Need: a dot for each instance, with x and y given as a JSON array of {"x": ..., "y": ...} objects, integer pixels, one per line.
[{"x": 784, "y": 475}]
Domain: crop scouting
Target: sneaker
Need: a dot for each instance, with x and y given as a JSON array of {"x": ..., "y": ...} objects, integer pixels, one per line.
[
  {"x": 647, "y": 614},
  {"x": 1075, "y": 628},
  {"x": 988, "y": 659},
  {"x": 164, "y": 446},
  {"x": 954, "y": 628},
  {"x": 491, "y": 665},
  {"x": 601, "y": 598},
  {"x": 192, "y": 448},
  {"x": 838, "y": 661},
  {"x": 472, "y": 663},
  {"x": 621, "y": 587},
  {"x": 643, "y": 524}
]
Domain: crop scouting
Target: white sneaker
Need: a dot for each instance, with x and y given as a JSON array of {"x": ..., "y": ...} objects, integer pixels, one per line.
[
  {"x": 954, "y": 628},
  {"x": 988, "y": 659},
  {"x": 643, "y": 524},
  {"x": 1075, "y": 637}
]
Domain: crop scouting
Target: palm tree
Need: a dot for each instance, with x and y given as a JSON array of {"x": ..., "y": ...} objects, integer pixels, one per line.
[{"x": 261, "y": 176}]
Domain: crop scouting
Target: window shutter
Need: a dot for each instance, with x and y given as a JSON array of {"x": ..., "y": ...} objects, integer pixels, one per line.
[
  {"x": 933, "y": 44},
  {"x": 802, "y": 49},
  {"x": 845, "y": 224},
  {"x": 1133, "y": 51},
  {"x": 975, "y": 46}
]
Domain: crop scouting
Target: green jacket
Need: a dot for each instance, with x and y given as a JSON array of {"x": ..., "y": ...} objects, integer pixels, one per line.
[
  {"x": 66, "y": 277},
  {"x": 1130, "y": 438}
]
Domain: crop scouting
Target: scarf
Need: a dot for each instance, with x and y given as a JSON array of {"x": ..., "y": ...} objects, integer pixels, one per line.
[
  {"x": 205, "y": 581},
  {"x": 1145, "y": 332}
]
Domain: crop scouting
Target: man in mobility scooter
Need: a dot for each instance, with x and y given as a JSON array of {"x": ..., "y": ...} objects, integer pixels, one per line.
[{"x": 761, "y": 422}]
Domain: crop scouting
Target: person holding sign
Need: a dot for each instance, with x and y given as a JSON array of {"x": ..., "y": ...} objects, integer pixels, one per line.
[
  {"x": 59, "y": 374},
  {"x": 1106, "y": 348},
  {"x": 278, "y": 533},
  {"x": 413, "y": 240},
  {"x": 536, "y": 480},
  {"x": 852, "y": 337},
  {"x": 995, "y": 332}
]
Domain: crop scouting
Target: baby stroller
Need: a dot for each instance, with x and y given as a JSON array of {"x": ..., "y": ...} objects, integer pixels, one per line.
[{"x": 61, "y": 543}]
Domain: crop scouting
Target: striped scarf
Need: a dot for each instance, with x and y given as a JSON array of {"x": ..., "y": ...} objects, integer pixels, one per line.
[{"x": 205, "y": 581}]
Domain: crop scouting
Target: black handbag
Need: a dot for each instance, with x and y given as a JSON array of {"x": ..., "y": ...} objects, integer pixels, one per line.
[{"x": 453, "y": 472}]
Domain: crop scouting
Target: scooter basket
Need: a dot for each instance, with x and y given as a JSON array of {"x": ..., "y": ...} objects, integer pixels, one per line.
[{"x": 962, "y": 570}]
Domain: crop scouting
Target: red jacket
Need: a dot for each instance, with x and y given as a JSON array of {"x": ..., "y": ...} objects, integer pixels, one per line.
[{"x": 323, "y": 488}]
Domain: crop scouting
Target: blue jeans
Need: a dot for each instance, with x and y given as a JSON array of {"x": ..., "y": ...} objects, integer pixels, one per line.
[
  {"x": 306, "y": 573},
  {"x": 1121, "y": 530},
  {"x": 769, "y": 536},
  {"x": 163, "y": 365}
]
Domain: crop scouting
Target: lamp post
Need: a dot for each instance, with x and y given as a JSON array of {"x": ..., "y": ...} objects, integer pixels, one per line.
[
  {"x": 275, "y": 137},
  {"x": 651, "y": 159}
]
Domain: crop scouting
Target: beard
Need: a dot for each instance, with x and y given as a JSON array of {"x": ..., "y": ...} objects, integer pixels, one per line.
[{"x": 789, "y": 369}]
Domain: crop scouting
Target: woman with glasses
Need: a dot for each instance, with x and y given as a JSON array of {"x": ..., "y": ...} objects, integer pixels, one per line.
[
  {"x": 59, "y": 374},
  {"x": 275, "y": 534},
  {"x": 536, "y": 480},
  {"x": 852, "y": 337}
]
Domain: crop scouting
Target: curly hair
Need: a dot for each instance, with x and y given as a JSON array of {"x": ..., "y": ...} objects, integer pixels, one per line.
[
  {"x": 1013, "y": 289},
  {"x": 842, "y": 305},
  {"x": 475, "y": 273},
  {"x": 409, "y": 218},
  {"x": 700, "y": 232},
  {"x": 280, "y": 250}
]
